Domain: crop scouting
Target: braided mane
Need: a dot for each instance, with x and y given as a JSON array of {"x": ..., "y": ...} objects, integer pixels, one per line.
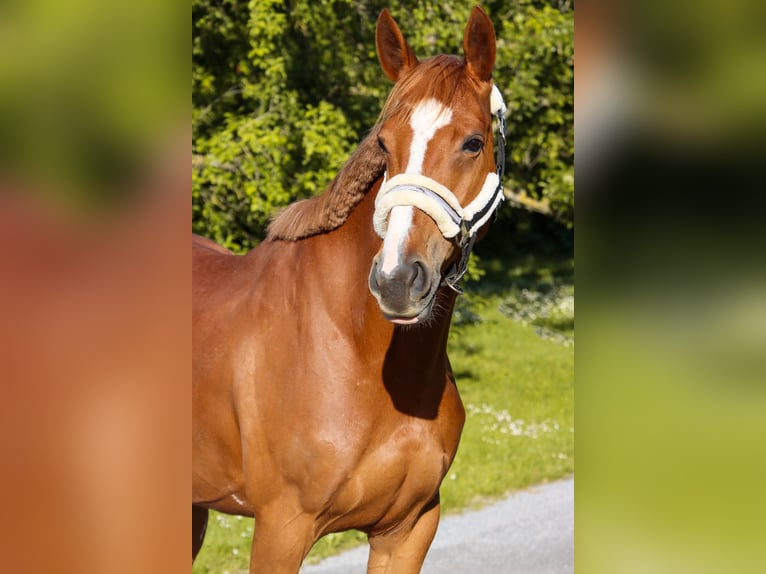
[{"x": 330, "y": 210}]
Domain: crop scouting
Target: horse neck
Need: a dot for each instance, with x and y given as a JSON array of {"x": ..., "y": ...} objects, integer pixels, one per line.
[{"x": 407, "y": 353}]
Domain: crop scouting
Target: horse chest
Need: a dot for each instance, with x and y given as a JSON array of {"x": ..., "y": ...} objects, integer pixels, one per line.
[{"x": 397, "y": 474}]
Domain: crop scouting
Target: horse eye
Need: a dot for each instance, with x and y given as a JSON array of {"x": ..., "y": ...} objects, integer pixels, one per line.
[
  {"x": 473, "y": 145},
  {"x": 382, "y": 145}
]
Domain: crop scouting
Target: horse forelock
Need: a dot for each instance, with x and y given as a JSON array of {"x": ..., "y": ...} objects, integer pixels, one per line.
[{"x": 442, "y": 78}]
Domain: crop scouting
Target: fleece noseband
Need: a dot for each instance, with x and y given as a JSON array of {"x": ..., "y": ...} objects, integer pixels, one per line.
[{"x": 428, "y": 195}]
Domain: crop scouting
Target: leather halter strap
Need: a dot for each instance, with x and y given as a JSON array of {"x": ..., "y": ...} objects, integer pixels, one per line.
[{"x": 439, "y": 203}]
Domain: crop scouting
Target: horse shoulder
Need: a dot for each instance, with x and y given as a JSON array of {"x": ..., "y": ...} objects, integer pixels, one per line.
[{"x": 217, "y": 299}]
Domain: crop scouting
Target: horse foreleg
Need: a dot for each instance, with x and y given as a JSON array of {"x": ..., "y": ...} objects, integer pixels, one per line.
[
  {"x": 199, "y": 526},
  {"x": 404, "y": 552},
  {"x": 281, "y": 542}
]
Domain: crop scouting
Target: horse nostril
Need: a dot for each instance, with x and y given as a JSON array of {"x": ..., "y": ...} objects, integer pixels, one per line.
[
  {"x": 407, "y": 284},
  {"x": 419, "y": 283},
  {"x": 373, "y": 280}
]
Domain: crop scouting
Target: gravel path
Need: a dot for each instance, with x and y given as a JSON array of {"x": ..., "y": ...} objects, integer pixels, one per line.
[{"x": 531, "y": 532}]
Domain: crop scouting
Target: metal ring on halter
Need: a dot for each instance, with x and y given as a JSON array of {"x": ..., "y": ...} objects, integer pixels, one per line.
[{"x": 455, "y": 274}]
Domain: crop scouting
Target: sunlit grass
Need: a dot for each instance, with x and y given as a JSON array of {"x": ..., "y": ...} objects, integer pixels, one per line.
[
  {"x": 518, "y": 389},
  {"x": 227, "y": 545}
]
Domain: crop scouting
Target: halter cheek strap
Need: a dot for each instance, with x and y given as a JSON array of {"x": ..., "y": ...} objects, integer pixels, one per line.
[{"x": 436, "y": 200}]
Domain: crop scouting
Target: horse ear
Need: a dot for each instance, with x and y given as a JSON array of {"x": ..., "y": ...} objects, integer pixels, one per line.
[
  {"x": 395, "y": 55},
  {"x": 479, "y": 45}
]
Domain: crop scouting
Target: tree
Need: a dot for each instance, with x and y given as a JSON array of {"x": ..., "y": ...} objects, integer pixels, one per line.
[{"x": 282, "y": 91}]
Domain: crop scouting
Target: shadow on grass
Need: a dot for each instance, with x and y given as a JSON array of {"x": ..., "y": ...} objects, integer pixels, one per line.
[{"x": 525, "y": 251}]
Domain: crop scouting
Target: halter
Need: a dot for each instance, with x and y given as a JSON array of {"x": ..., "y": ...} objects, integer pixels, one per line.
[{"x": 436, "y": 200}]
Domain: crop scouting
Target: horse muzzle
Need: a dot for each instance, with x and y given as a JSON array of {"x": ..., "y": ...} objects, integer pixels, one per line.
[{"x": 406, "y": 293}]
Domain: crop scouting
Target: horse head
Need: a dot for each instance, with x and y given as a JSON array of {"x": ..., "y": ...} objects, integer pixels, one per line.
[{"x": 442, "y": 183}]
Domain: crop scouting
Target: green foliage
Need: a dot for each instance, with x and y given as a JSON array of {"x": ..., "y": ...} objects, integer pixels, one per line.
[
  {"x": 282, "y": 91},
  {"x": 535, "y": 71},
  {"x": 258, "y": 144},
  {"x": 257, "y": 164},
  {"x": 89, "y": 97}
]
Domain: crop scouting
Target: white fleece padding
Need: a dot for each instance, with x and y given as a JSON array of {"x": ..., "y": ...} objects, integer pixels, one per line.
[
  {"x": 476, "y": 225},
  {"x": 399, "y": 191},
  {"x": 407, "y": 196},
  {"x": 486, "y": 195},
  {"x": 496, "y": 103}
]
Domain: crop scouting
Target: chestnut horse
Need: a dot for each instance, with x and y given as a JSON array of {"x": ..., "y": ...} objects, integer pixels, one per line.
[{"x": 323, "y": 399}]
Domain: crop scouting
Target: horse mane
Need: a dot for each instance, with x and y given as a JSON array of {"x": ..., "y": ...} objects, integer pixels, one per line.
[
  {"x": 330, "y": 210},
  {"x": 438, "y": 77}
]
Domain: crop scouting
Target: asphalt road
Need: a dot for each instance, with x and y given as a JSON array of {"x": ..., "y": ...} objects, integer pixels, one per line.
[{"x": 531, "y": 532}]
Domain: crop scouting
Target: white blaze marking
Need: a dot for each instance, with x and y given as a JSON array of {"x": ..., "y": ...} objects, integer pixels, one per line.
[
  {"x": 427, "y": 117},
  {"x": 399, "y": 221}
]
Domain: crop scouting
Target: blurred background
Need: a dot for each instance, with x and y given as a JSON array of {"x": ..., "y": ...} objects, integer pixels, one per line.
[
  {"x": 94, "y": 284},
  {"x": 671, "y": 367}
]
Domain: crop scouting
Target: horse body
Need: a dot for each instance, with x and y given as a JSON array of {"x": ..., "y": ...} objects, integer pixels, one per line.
[
  {"x": 323, "y": 398},
  {"x": 283, "y": 416}
]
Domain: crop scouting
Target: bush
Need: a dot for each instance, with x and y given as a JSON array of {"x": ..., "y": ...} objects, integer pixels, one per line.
[{"x": 283, "y": 91}]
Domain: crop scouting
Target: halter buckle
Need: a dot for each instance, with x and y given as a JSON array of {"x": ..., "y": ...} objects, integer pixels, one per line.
[{"x": 456, "y": 272}]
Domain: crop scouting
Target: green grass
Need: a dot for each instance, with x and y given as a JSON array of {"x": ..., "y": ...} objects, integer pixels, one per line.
[
  {"x": 227, "y": 545},
  {"x": 518, "y": 389},
  {"x": 513, "y": 356}
]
